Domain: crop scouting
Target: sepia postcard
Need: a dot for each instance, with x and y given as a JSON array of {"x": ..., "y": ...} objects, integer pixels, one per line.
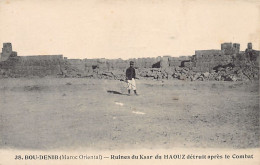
[{"x": 129, "y": 82}]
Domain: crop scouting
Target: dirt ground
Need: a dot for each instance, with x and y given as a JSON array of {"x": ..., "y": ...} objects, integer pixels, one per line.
[{"x": 52, "y": 113}]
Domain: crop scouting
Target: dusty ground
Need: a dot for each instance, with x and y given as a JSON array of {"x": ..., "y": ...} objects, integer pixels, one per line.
[{"x": 54, "y": 113}]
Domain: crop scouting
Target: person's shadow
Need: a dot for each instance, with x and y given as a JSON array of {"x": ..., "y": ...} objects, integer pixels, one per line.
[{"x": 115, "y": 92}]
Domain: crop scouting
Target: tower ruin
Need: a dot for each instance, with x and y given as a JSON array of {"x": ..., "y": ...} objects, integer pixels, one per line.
[{"x": 7, "y": 51}]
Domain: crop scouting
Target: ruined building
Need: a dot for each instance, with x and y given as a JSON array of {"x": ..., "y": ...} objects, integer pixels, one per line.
[
  {"x": 38, "y": 65},
  {"x": 165, "y": 66},
  {"x": 7, "y": 51},
  {"x": 206, "y": 60}
]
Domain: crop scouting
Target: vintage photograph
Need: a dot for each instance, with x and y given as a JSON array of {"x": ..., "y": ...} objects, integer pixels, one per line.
[{"x": 111, "y": 75}]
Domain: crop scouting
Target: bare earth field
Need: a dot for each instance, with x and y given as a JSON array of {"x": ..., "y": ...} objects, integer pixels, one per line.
[{"x": 52, "y": 113}]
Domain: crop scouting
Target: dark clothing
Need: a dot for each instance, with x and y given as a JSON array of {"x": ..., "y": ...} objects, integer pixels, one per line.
[{"x": 130, "y": 73}]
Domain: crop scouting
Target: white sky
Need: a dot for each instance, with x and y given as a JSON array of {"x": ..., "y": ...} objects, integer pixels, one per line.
[{"x": 127, "y": 28}]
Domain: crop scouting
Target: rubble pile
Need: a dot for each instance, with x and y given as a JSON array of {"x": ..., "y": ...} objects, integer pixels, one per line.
[
  {"x": 221, "y": 73},
  {"x": 228, "y": 72},
  {"x": 227, "y": 64},
  {"x": 237, "y": 71},
  {"x": 242, "y": 66}
]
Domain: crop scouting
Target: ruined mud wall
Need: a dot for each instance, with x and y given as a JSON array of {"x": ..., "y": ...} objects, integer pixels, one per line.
[
  {"x": 32, "y": 66},
  {"x": 226, "y": 64},
  {"x": 7, "y": 51},
  {"x": 89, "y": 65},
  {"x": 239, "y": 67},
  {"x": 144, "y": 62},
  {"x": 229, "y": 48},
  {"x": 209, "y": 62},
  {"x": 213, "y": 67}
]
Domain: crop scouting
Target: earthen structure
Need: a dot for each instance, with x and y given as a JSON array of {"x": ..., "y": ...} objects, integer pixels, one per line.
[
  {"x": 7, "y": 51},
  {"x": 162, "y": 66},
  {"x": 37, "y": 65}
]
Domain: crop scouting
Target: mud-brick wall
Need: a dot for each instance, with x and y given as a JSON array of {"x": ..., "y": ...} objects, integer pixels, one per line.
[
  {"x": 143, "y": 62},
  {"x": 94, "y": 64},
  {"x": 91, "y": 65},
  {"x": 77, "y": 63},
  {"x": 229, "y": 48},
  {"x": 175, "y": 62},
  {"x": 120, "y": 64},
  {"x": 34, "y": 66},
  {"x": 206, "y": 53},
  {"x": 208, "y": 62}
]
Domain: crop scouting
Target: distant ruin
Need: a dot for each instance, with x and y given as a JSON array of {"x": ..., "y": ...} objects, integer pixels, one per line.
[
  {"x": 165, "y": 67},
  {"x": 12, "y": 65},
  {"x": 7, "y": 51}
]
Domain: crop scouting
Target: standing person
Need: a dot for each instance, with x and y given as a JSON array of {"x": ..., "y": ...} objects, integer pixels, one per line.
[{"x": 130, "y": 78}]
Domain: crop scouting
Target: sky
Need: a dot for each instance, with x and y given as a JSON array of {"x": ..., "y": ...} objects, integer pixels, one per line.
[{"x": 127, "y": 28}]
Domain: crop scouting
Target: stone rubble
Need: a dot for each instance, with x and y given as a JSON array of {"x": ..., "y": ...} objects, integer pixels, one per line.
[{"x": 227, "y": 64}]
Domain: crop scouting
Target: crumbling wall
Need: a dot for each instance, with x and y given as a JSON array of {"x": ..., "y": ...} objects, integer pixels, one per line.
[
  {"x": 206, "y": 60},
  {"x": 207, "y": 63},
  {"x": 207, "y": 53},
  {"x": 143, "y": 62},
  {"x": 91, "y": 65},
  {"x": 178, "y": 61},
  {"x": 32, "y": 66},
  {"x": 77, "y": 63},
  {"x": 229, "y": 48},
  {"x": 226, "y": 64}
]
